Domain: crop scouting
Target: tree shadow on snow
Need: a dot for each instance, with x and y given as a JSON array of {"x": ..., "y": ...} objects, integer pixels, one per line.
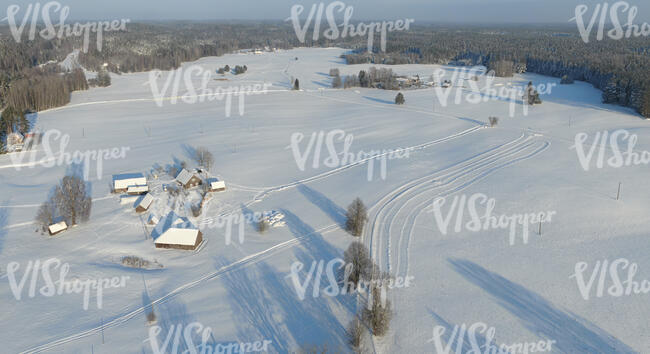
[
  {"x": 378, "y": 100},
  {"x": 572, "y": 333},
  {"x": 4, "y": 221},
  {"x": 335, "y": 212},
  {"x": 453, "y": 342},
  {"x": 273, "y": 311}
]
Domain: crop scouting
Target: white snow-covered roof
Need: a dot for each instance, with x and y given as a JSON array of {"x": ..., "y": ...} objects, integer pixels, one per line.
[
  {"x": 146, "y": 201},
  {"x": 153, "y": 219},
  {"x": 175, "y": 230},
  {"x": 217, "y": 184},
  {"x": 184, "y": 176},
  {"x": 60, "y": 226},
  {"x": 128, "y": 179},
  {"x": 137, "y": 189}
]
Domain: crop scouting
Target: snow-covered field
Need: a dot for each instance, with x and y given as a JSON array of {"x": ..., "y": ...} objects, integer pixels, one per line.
[{"x": 241, "y": 290}]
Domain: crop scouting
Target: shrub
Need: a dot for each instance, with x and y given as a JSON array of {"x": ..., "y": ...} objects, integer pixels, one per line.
[
  {"x": 493, "y": 121},
  {"x": 262, "y": 225}
]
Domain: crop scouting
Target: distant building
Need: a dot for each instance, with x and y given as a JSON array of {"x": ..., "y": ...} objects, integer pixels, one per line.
[
  {"x": 121, "y": 183},
  {"x": 188, "y": 179},
  {"x": 176, "y": 232},
  {"x": 15, "y": 139},
  {"x": 57, "y": 228},
  {"x": 144, "y": 204}
]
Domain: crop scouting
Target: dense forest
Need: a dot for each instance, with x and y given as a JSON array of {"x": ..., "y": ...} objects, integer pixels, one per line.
[{"x": 31, "y": 79}]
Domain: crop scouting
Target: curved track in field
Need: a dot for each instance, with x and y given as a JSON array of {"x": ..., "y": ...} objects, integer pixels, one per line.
[{"x": 392, "y": 219}]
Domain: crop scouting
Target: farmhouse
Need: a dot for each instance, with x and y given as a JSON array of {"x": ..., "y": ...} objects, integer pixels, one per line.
[
  {"x": 121, "y": 183},
  {"x": 144, "y": 204},
  {"x": 188, "y": 179},
  {"x": 176, "y": 232},
  {"x": 58, "y": 227},
  {"x": 217, "y": 186}
]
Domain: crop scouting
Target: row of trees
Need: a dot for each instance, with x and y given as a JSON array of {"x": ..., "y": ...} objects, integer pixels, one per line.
[{"x": 620, "y": 67}]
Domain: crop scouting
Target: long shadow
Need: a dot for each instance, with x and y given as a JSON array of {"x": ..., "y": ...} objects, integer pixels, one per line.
[
  {"x": 335, "y": 212},
  {"x": 572, "y": 333},
  {"x": 450, "y": 336},
  {"x": 4, "y": 220},
  {"x": 378, "y": 100},
  {"x": 321, "y": 84},
  {"x": 311, "y": 240},
  {"x": 260, "y": 310},
  {"x": 316, "y": 248}
]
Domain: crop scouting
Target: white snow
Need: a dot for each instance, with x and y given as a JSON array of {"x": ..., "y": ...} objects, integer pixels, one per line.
[{"x": 241, "y": 291}]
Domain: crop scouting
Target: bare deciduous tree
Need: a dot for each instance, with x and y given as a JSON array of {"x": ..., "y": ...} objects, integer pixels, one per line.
[
  {"x": 355, "y": 331},
  {"x": 203, "y": 157},
  {"x": 72, "y": 200},
  {"x": 358, "y": 260},
  {"x": 46, "y": 214},
  {"x": 379, "y": 315},
  {"x": 356, "y": 217}
]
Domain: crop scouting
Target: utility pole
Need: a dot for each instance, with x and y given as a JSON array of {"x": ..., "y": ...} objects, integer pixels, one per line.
[
  {"x": 540, "y": 227},
  {"x": 618, "y": 194}
]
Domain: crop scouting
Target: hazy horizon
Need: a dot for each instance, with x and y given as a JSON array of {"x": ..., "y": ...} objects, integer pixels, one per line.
[{"x": 436, "y": 11}]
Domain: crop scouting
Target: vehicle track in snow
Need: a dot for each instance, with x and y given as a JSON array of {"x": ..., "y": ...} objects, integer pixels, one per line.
[{"x": 398, "y": 210}]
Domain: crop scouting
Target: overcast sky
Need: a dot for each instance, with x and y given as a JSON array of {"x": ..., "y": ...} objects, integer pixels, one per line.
[{"x": 477, "y": 11}]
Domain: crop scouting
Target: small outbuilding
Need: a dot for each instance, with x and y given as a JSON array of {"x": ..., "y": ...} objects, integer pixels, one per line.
[
  {"x": 57, "y": 228},
  {"x": 217, "y": 186},
  {"x": 188, "y": 179},
  {"x": 122, "y": 182},
  {"x": 176, "y": 232},
  {"x": 137, "y": 190},
  {"x": 144, "y": 203}
]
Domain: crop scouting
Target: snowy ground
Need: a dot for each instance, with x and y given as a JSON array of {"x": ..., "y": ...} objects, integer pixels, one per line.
[{"x": 241, "y": 290}]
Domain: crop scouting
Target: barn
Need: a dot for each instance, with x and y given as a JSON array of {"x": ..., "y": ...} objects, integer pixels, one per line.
[
  {"x": 122, "y": 182},
  {"x": 188, "y": 179},
  {"x": 57, "y": 228},
  {"x": 144, "y": 204},
  {"x": 176, "y": 232}
]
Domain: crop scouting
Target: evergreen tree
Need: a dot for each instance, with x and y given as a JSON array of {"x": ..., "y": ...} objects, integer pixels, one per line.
[{"x": 399, "y": 99}]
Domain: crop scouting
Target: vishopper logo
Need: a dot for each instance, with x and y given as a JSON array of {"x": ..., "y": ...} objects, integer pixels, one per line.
[
  {"x": 481, "y": 338},
  {"x": 336, "y": 159},
  {"x": 609, "y": 273},
  {"x": 182, "y": 338},
  {"x": 617, "y": 158},
  {"x": 62, "y": 157},
  {"x": 61, "y": 29},
  {"x": 482, "y": 88},
  {"x": 186, "y": 76},
  {"x": 61, "y": 286},
  {"x": 346, "y": 286},
  {"x": 627, "y": 30},
  {"x": 348, "y": 29},
  {"x": 486, "y": 221}
]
